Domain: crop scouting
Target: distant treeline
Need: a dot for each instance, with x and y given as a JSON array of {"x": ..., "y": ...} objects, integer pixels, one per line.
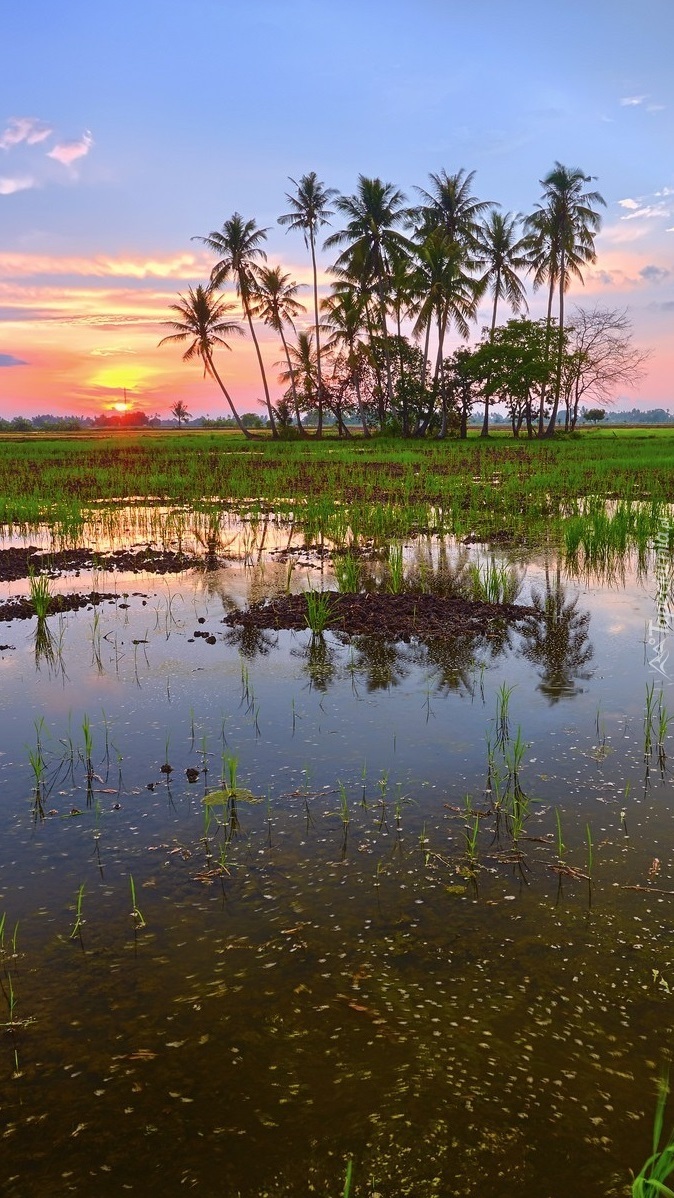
[{"x": 70, "y": 424}]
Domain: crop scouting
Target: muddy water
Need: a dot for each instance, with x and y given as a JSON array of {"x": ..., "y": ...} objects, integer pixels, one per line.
[{"x": 375, "y": 941}]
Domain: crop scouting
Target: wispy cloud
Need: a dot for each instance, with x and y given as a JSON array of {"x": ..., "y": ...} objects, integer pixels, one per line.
[
  {"x": 648, "y": 212},
  {"x": 26, "y": 129},
  {"x": 183, "y": 267},
  {"x": 628, "y": 203},
  {"x": 639, "y": 102},
  {"x": 9, "y": 185},
  {"x": 10, "y": 360},
  {"x": 654, "y": 274},
  {"x": 67, "y": 152}
]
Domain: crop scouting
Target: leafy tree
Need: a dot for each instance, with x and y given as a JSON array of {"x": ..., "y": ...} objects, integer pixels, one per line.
[
  {"x": 502, "y": 254},
  {"x": 200, "y": 320},
  {"x": 309, "y": 211},
  {"x": 179, "y": 411},
  {"x": 238, "y": 245},
  {"x": 593, "y": 415},
  {"x": 515, "y": 365}
]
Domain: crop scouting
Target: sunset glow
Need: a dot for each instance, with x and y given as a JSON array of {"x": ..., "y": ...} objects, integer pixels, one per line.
[{"x": 102, "y": 208}]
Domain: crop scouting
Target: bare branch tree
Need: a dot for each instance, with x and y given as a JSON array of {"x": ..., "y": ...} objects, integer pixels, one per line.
[{"x": 600, "y": 358}]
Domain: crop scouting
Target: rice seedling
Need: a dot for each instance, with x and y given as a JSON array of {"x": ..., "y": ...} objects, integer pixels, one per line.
[
  {"x": 396, "y": 580},
  {"x": 649, "y": 719},
  {"x": 650, "y": 1181},
  {"x": 318, "y": 611},
  {"x": 493, "y": 583},
  {"x": 40, "y": 594},
  {"x": 471, "y": 833},
  {"x": 503, "y": 696},
  {"x": 135, "y": 912},
  {"x": 561, "y": 847},
  {"x": 664, "y": 720},
  {"x": 590, "y": 846},
  {"x": 346, "y": 1192},
  {"x": 343, "y": 805},
  {"x": 79, "y": 919},
  {"x": 347, "y": 573}
]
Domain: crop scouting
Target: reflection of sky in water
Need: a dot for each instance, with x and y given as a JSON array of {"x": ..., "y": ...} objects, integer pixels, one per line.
[{"x": 335, "y": 988}]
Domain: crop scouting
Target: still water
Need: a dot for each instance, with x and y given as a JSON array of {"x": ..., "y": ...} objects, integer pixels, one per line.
[{"x": 273, "y": 903}]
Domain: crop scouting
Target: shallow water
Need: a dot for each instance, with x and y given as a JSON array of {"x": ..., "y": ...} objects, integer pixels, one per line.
[{"x": 379, "y": 951}]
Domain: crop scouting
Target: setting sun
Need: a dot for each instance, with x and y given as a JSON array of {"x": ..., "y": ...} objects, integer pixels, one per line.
[{"x": 118, "y": 378}]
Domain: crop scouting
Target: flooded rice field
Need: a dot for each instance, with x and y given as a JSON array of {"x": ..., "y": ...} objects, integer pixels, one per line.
[{"x": 277, "y": 904}]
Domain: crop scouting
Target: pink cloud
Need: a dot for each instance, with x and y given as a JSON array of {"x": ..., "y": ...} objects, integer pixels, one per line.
[
  {"x": 24, "y": 129},
  {"x": 185, "y": 266},
  {"x": 8, "y": 186},
  {"x": 67, "y": 152}
]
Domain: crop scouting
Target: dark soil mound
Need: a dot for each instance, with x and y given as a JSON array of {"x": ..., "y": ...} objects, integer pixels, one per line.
[{"x": 395, "y": 617}]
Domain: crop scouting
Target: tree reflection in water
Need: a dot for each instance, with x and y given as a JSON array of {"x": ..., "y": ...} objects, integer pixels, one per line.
[{"x": 555, "y": 639}]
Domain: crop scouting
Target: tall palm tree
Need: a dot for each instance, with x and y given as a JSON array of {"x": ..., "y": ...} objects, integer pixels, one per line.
[
  {"x": 451, "y": 296},
  {"x": 564, "y": 225},
  {"x": 303, "y": 367},
  {"x": 275, "y": 302},
  {"x": 309, "y": 211},
  {"x": 371, "y": 240},
  {"x": 345, "y": 319},
  {"x": 201, "y": 321},
  {"x": 451, "y": 206},
  {"x": 239, "y": 249},
  {"x": 502, "y": 253}
]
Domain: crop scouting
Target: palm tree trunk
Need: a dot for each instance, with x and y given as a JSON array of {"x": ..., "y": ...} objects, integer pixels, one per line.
[
  {"x": 560, "y": 350},
  {"x": 292, "y": 383},
  {"x": 485, "y": 422},
  {"x": 319, "y": 426},
  {"x": 274, "y": 430},
  {"x": 541, "y": 414},
  {"x": 213, "y": 372},
  {"x": 354, "y": 368},
  {"x": 384, "y": 331}
]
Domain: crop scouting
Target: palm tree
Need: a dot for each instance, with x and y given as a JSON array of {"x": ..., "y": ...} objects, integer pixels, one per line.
[
  {"x": 309, "y": 212},
  {"x": 303, "y": 367},
  {"x": 371, "y": 241},
  {"x": 275, "y": 302},
  {"x": 179, "y": 410},
  {"x": 345, "y": 319},
  {"x": 503, "y": 253},
  {"x": 450, "y": 206},
  {"x": 451, "y": 296},
  {"x": 200, "y": 320},
  {"x": 238, "y": 246},
  {"x": 561, "y": 238}
]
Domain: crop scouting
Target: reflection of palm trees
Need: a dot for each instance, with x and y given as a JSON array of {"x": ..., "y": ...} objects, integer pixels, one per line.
[
  {"x": 251, "y": 641},
  {"x": 382, "y": 663},
  {"x": 319, "y": 661},
  {"x": 556, "y": 640}
]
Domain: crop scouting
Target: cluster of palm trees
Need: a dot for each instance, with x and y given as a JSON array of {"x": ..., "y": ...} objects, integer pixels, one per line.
[{"x": 424, "y": 268}]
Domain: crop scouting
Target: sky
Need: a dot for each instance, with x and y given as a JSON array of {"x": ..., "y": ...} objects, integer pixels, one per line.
[{"x": 127, "y": 130}]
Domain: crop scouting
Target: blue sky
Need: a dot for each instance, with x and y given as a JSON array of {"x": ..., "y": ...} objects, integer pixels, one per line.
[{"x": 127, "y": 129}]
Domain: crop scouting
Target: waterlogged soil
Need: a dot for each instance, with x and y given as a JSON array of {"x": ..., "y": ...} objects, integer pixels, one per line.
[
  {"x": 274, "y": 902},
  {"x": 396, "y": 617},
  {"x": 17, "y": 563}
]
